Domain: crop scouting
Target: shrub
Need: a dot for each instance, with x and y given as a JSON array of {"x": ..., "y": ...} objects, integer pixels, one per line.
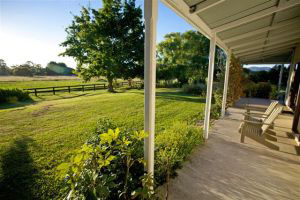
[
  {"x": 216, "y": 107},
  {"x": 172, "y": 147},
  {"x": 13, "y": 95},
  {"x": 196, "y": 89},
  {"x": 235, "y": 86},
  {"x": 274, "y": 93},
  {"x": 259, "y": 90},
  {"x": 111, "y": 165},
  {"x": 110, "y": 169}
]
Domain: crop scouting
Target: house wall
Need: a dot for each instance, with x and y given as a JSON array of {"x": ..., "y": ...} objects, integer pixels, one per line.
[
  {"x": 298, "y": 126},
  {"x": 297, "y": 54},
  {"x": 297, "y": 58}
]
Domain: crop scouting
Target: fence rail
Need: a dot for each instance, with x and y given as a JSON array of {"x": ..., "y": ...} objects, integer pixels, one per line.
[
  {"x": 82, "y": 88},
  {"x": 68, "y": 88}
]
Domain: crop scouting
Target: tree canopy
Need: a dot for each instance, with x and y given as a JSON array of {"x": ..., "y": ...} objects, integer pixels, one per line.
[
  {"x": 182, "y": 56},
  {"x": 107, "y": 42}
]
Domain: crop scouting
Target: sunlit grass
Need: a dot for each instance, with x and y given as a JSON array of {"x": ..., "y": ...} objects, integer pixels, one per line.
[{"x": 50, "y": 128}]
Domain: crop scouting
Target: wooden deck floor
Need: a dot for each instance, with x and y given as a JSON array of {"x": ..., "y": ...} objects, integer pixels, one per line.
[{"x": 224, "y": 168}]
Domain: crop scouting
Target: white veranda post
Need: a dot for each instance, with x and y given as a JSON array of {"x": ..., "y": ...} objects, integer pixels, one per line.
[
  {"x": 290, "y": 79},
  {"x": 150, "y": 16},
  {"x": 226, "y": 83},
  {"x": 212, "y": 48}
]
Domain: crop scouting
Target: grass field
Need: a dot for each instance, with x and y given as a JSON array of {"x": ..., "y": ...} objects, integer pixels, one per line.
[{"x": 37, "y": 136}]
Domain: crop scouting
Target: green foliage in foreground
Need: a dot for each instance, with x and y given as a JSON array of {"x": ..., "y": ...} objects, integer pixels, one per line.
[
  {"x": 111, "y": 164},
  {"x": 108, "y": 168},
  {"x": 13, "y": 95},
  {"x": 43, "y": 135}
]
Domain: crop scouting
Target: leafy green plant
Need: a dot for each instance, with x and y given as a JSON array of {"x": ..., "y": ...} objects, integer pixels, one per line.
[
  {"x": 13, "y": 95},
  {"x": 112, "y": 169},
  {"x": 111, "y": 165},
  {"x": 216, "y": 107},
  {"x": 274, "y": 93},
  {"x": 172, "y": 147}
]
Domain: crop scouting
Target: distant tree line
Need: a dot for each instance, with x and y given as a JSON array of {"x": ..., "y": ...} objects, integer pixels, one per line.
[
  {"x": 271, "y": 76},
  {"x": 32, "y": 69}
]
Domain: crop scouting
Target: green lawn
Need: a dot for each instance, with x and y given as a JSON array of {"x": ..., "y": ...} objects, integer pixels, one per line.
[{"x": 36, "y": 137}]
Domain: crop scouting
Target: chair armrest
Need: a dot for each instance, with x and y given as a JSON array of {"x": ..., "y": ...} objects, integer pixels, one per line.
[
  {"x": 256, "y": 114},
  {"x": 254, "y": 122}
]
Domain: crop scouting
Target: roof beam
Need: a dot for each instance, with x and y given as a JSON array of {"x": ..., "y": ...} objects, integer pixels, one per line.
[
  {"x": 263, "y": 58},
  {"x": 204, "y": 5},
  {"x": 182, "y": 9},
  {"x": 263, "y": 30},
  {"x": 265, "y": 50},
  {"x": 283, "y": 6},
  {"x": 267, "y": 54},
  {"x": 283, "y": 35},
  {"x": 274, "y": 44}
]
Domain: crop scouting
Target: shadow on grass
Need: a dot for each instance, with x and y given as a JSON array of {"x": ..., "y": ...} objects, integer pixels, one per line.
[
  {"x": 177, "y": 96},
  {"x": 16, "y": 105},
  {"x": 65, "y": 95},
  {"x": 18, "y": 171}
]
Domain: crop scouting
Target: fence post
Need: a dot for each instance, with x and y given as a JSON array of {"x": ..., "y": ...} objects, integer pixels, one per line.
[
  {"x": 69, "y": 88},
  {"x": 35, "y": 92},
  {"x": 82, "y": 88},
  {"x": 94, "y": 87},
  {"x": 54, "y": 90},
  {"x": 104, "y": 85}
]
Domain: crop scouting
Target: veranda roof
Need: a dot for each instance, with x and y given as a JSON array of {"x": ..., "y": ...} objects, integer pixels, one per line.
[{"x": 256, "y": 31}]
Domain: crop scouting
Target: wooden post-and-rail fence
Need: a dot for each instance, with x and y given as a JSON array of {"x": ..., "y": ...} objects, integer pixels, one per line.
[{"x": 69, "y": 88}]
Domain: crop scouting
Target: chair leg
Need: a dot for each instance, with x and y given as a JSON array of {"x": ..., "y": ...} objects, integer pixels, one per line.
[{"x": 242, "y": 136}]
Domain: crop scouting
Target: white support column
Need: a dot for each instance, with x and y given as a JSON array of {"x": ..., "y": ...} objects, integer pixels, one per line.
[
  {"x": 226, "y": 83},
  {"x": 210, "y": 80},
  {"x": 280, "y": 77},
  {"x": 290, "y": 79},
  {"x": 150, "y": 16}
]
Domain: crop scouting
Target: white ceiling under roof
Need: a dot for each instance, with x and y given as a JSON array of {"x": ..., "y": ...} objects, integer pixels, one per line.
[{"x": 256, "y": 31}]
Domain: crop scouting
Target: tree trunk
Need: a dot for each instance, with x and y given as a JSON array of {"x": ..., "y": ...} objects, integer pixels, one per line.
[{"x": 110, "y": 87}]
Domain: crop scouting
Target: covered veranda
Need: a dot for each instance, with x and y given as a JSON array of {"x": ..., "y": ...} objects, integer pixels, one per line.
[
  {"x": 255, "y": 32},
  {"x": 224, "y": 168}
]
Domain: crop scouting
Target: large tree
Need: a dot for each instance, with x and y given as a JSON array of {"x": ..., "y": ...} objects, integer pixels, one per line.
[
  {"x": 4, "y": 69},
  {"x": 107, "y": 42},
  {"x": 183, "y": 56}
]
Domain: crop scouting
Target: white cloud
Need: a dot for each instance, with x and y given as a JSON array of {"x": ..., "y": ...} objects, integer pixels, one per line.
[{"x": 17, "y": 49}]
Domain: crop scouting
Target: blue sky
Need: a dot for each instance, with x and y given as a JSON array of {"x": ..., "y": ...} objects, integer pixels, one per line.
[{"x": 33, "y": 29}]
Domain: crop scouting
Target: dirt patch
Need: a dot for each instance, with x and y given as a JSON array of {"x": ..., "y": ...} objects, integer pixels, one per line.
[{"x": 42, "y": 111}]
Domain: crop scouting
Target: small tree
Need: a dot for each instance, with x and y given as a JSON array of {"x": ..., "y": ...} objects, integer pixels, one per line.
[{"x": 107, "y": 42}]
